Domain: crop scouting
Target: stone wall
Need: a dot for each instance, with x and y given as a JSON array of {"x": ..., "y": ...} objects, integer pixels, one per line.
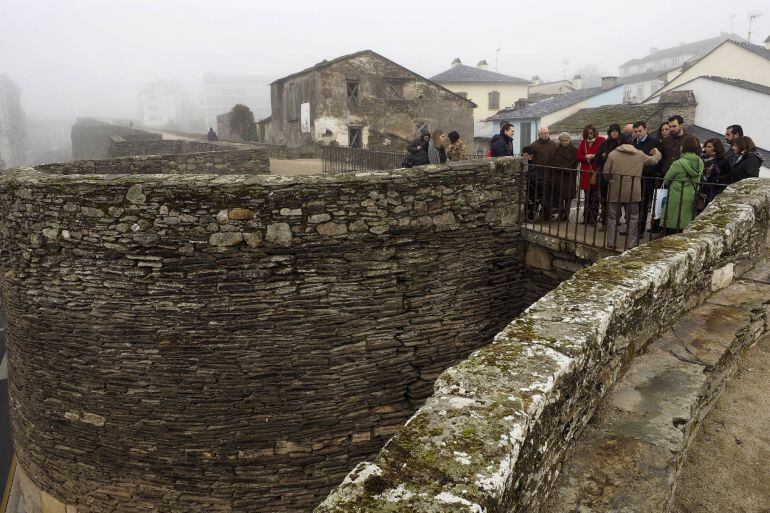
[
  {"x": 225, "y": 162},
  {"x": 91, "y": 137},
  {"x": 200, "y": 343},
  {"x": 493, "y": 435},
  {"x": 121, "y": 147}
]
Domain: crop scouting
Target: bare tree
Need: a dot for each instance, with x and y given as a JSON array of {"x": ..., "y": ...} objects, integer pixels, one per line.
[{"x": 591, "y": 75}]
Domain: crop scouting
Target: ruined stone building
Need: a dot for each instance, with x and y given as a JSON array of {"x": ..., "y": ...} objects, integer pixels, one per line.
[
  {"x": 361, "y": 99},
  {"x": 12, "y": 133}
]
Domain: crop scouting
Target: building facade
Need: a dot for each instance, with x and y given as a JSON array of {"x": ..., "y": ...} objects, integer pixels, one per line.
[
  {"x": 168, "y": 105},
  {"x": 644, "y": 76},
  {"x": 12, "y": 124},
  {"x": 362, "y": 99}
]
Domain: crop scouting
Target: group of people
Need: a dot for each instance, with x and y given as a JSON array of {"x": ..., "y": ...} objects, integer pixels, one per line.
[
  {"x": 627, "y": 172},
  {"x": 433, "y": 148}
]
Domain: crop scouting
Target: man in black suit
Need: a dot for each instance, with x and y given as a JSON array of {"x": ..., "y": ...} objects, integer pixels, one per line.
[
  {"x": 646, "y": 143},
  {"x": 731, "y": 132}
]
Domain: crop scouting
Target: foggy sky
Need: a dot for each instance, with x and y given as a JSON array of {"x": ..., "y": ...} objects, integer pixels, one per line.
[{"x": 91, "y": 57}]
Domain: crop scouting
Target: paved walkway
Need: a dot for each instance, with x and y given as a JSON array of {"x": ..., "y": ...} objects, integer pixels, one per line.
[{"x": 727, "y": 466}]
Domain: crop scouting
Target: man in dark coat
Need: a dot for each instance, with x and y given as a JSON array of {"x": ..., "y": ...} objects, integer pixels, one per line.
[
  {"x": 646, "y": 143},
  {"x": 543, "y": 147},
  {"x": 212, "y": 135},
  {"x": 501, "y": 144},
  {"x": 672, "y": 145},
  {"x": 731, "y": 133}
]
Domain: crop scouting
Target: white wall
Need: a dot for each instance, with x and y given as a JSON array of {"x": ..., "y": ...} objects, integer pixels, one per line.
[
  {"x": 729, "y": 61},
  {"x": 478, "y": 93},
  {"x": 612, "y": 96},
  {"x": 720, "y": 105}
]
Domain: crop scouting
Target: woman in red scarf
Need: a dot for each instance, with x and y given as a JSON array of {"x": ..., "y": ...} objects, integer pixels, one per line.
[{"x": 589, "y": 177}]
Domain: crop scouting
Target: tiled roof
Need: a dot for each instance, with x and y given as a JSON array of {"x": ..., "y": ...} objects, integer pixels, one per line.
[
  {"x": 603, "y": 117},
  {"x": 759, "y": 50},
  {"x": 703, "y": 134},
  {"x": 694, "y": 48},
  {"x": 547, "y": 106},
  {"x": 464, "y": 73},
  {"x": 751, "y": 86},
  {"x": 644, "y": 77}
]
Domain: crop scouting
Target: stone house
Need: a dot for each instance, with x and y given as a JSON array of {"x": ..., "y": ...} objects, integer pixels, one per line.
[{"x": 361, "y": 100}]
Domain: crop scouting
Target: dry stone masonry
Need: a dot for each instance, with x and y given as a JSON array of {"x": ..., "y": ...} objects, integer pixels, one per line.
[
  {"x": 239, "y": 343},
  {"x": 493, "y": 435}
]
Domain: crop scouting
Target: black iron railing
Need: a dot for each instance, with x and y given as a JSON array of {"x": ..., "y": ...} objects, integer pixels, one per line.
[
  {"x": 614, "y": 211},
  {"x": 342, "y": 159}
]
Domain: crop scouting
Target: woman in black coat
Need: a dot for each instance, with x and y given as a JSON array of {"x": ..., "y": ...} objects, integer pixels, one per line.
[
  {"x": 502, "y": 143},
  {"x": 612, "y": 142},
  {"x": 747, "y": 160}
]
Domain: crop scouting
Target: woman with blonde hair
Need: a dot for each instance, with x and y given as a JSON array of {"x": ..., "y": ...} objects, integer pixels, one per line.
[{"x": 436, "y": 148}]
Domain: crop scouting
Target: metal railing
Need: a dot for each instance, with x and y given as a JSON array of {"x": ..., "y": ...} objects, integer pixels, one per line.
[
  {"x": 342, "y": 159},
  {"x": 614, "y": 211}
]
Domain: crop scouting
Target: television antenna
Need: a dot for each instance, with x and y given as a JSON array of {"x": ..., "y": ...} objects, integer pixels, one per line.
[
  {"x": 497, "y": 57},
  {"x": 753, "y": 15}
]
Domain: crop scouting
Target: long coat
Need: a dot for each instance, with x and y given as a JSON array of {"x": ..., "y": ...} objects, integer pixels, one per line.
[
  {"x": 588, "y": 168},
  {"x": 564, "y": 178},
  {"x": 623, "y": 170},
  {"x": 682, "y": 179}
]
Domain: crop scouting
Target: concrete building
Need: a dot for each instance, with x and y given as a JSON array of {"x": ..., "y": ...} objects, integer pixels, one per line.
[
  {"x": 222, "y": 92},
  {"x": 362, "y": 99},
  {"x": 168, "y": 105},
  {"x": 731, "y": 59},
  {"x": 528, "y": 118},
  {"x": 644, "y": 76},
  {"x": 12, "y": 124}
]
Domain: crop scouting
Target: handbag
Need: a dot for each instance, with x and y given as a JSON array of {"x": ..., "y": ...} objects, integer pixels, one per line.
[{"x": 661, "y": 199}]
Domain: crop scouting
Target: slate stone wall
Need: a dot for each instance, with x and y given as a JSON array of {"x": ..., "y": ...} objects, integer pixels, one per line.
[
  {"x": 201, "y": 343},
  {"x": 223, "y": 162},
  {"x": 494, "y": 433},
  {"x": 121, "y": 147}
]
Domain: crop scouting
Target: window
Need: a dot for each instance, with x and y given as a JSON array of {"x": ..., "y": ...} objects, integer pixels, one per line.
[
  {"x": 293, "y": 101},
  {"x": 394, "y": 90},
  {"x": 526, "y": 134},
  {"x": 494, "y": 100},
  {"x": 640, "y": 92},
  {"x": 355, "y": 137},
  {"x": 354, "y": 91},
  {"x": 463, "y": 94}
]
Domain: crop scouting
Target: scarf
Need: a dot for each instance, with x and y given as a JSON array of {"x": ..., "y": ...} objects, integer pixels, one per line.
[{"x": 433, "y": 155}]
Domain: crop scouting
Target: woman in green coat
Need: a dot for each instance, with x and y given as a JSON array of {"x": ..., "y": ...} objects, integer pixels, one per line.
[{"x": 682, "y": 179}]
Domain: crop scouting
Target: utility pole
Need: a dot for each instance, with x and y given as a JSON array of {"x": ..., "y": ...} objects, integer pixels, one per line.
[
  {"x": 497, "y": 57},
  {"x": 753, "y": 15},
  {"x": 564, "y": 63}
]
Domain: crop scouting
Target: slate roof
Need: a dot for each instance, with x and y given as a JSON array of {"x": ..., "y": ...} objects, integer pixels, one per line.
[
  {"x": 759, "y": 50},
  {"x": 744, "y": 84},
  {"x": 548, "y": 106},
  {"x": 704, "y": 134},
  {"x": 644, "y": 77},
  {"x": 324, "y": 63},
  {"x": 695, "y": 48},
  {"x": 465, "y": 73},
  {"x": 603, "y": 117}
]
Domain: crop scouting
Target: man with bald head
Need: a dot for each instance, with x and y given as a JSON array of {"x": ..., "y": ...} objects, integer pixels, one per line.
[
  {"x": 627, "y": 137},
  {"x": 542, "y": 177}
]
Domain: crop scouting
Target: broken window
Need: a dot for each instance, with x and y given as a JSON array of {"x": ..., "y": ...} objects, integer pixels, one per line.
[
  {"x": 355, "y": 137},
  {"x": 494, "y": 100},
  {"x": 354, "y": 91},
  {"x": 394, "y": 90}
]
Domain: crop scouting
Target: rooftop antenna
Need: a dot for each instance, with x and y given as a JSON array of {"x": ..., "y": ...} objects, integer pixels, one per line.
[
  {"x": 564, "y": 63},
  {"x": 732, "y": 24},
  {"x": 497, "y": 57},
  {"x": 753, "y": 15}
]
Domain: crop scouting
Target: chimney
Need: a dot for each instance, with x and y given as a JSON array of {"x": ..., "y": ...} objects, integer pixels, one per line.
[
  {"x": 609, "y": 82},
  {"x": 482, "y": 64},
  {"x": 577, "y": 82},
  {"x": 521, "y": 103},
  {"x": 653, "y": 50},
  {"x": 456, "y": 62}
]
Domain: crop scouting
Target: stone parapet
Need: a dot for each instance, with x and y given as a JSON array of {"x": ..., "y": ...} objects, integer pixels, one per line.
[
  {"x": 239, "y": 343},
  {"x": 494, "y": 433}
]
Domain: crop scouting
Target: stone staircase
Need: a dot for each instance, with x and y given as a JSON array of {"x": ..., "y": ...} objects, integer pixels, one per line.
[{"x": 630, "y": 455}]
